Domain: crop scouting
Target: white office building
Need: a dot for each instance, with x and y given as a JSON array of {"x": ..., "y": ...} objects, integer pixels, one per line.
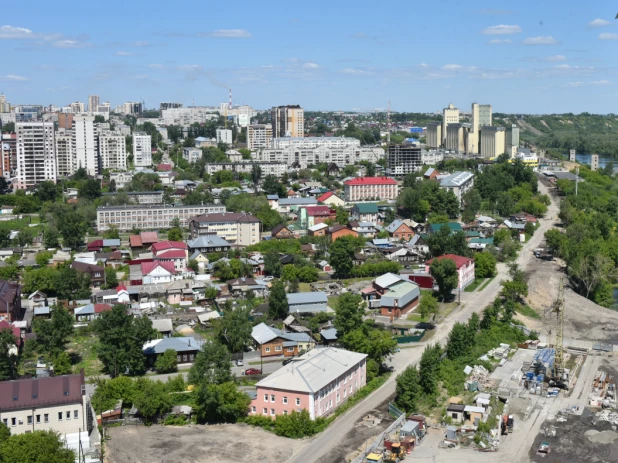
[
  {"x": 142, "y": 151},
  {"x": 314, "y": 142},
  {"x": 84, "y": 143},
  {"x": 188, "y": 116},
  {"x": 303, "y": 157},
  {"x": 112, "y": 151},
  {"x": 224, "y": 136},
  {"x": 268, "y": 168},
  {"x": 36, "y": 153},
  {"x": 259, "y": 136},
  {"x": 191, "y": 154}
]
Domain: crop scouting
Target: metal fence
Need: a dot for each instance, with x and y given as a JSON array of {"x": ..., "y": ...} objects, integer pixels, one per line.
[{"x": 378, "y": 442}]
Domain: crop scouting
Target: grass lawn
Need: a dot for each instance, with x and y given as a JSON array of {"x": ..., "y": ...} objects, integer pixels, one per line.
[
  {"x": 475, "y": 284},
  {"x": 304, "y": 287},
  {"x": 527, "y": 311},
  {"x": 416, "y": 317},
  {"x": 333, "y": 302},
  {"x": 84, "y": 348},
  {"x": 487, "y": 281}
]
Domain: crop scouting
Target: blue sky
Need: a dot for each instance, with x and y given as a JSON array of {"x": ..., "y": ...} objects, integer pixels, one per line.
[{"x": 526, "y": 57}]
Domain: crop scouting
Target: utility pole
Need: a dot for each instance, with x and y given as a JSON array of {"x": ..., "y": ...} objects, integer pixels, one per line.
[{"x": 388, "y": 124}]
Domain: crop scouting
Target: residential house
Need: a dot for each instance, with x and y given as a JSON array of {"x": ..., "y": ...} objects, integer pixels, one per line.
[
  {"x": 293, "y": 325},
  {"x": 303, "y": 303},
  {"x": 272, "y": 341},
  {"x": 290, "y": 205},
  {"x": 404, "y": 255},
  {"x": 456, "y": 412},
  {"x": 179, "y": 291},
  {"x": 38, "y": 299},
  {"x": 371, "y": 188},
  {"x": 319, "y": 382},
  {"x": 452, "y": 226},
  {"x": 365, "y": 212},
  {"x": 201, "y": 258},
  {"x": 281, "y": 231},
  {"x": 400, "y": 231},
  {"x": 393, "y": 295},
  {"x": 90, "y": 312},
  {"x": 324, "y": 266},
  {"x": 328, "y": 336},
  {"x": 431, "y": 174},
  {"x": 273, "y": 201},
  {"x": 381, "y": 242},
  {"x": 175, "y": 252},
  {"x": 318, "y": 230},
  {"x": 144, "y": 240},
  {"x": 523, "y": 217},
  {"x": 56, "y": 403},
  {"x": 519, "y": 226},
  {"x": 331, "y": 199},
  {"x": 239, "y": 287},
  {"x": 186, "y": 349},
  {"x": 99, "y": 245},
  {"x": 338, "y": 231},
  {"x": 459, "y": 183},
  {"x": 465, "y": 268},
  {"x": 157, "y": 272},
  {"x": 10, "y": 301},
  {"x": 365, "y": 229},
  {"x": 240, "y": 228},
  {"x": 164, "y": 326},
  {"x": 13, "y": 350},
  {"x": 208, "y": 244},
  {"x": 313, "y": 215},
  {"x": 96, "y": 272},
  {"x": 359, "y": 258}
]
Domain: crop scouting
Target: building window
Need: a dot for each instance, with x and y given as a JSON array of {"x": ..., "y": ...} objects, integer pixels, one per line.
[
  {"x": 13, "y": 421},
  {"x": 59, "y": 416},
  {"x": 68, "y": 415},
  {"x": 272, "y": 397},
  {"x": 5, "y": 421},
  {"x": 285, "y": 400},
  {"x": 265, "y": 411},
  {"x": 253, "y": 409},
  {"x": 285, "y": 412},
  {"x": 277, "y": 348},
  {"x": 265, "y": 397},
  {"x": 38, "y": 419},
  {"x": 297, "y": 401},
  {"x": 267, "y": 350},
  {"x": 46, "y": 418},
  {"x": 76, "y": 414},
  {"x": 272, "y": 412},
  {"x": 290, "y": 349},
  {"x": 29, "y": 418}
]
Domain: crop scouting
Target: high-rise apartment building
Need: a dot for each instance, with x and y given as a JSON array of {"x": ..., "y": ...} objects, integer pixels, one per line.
[
  {"x": 224, "y": 136},
  {"x": 288, "y": 121},
  {"x": 5, "y": 107},
  {"x": 84, "y": 143},
  {"x": 493, "y": 141},
  {"x": 77, "y": 107},
  {"x": 450, "y": 115},
  {"x": 259, "y": 136},
  {"x": 164, "y": 106},
  {"x": 65, "y": 121},
  {"x": 112, "y": 151},
  {"x": 434, "y": 134},
  {"x": 403, "y": 159},
  {"x": 8, "y": 151},
  {"x": 512, "y": 140},
  {"x": 65, "y": 154},
  {"x": 36, "y": 153},
  {"x": 93, "y": 103},
  {"x": 142, "y": 151}
]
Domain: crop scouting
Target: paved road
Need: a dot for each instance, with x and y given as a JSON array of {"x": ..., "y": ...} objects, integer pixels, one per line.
[{"x": 319, "y": 447}]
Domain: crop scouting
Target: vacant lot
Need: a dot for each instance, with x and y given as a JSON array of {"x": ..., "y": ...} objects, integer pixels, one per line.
[{"x": 226, "y": 443}]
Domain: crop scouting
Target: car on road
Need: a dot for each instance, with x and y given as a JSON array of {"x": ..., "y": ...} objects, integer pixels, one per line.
[
  {"x": 269, "y": 278},
  {"x": 253, "y": 371},
  {"x": 239, "y": 363}
]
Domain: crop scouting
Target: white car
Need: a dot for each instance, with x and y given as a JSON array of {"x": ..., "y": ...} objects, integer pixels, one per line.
[
  {"x": 239, "y": 363},
  {"x": 269, "y": 278}
]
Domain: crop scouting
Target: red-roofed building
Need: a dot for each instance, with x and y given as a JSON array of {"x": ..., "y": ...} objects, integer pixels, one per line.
[
  {"x": 465, "y": 268},
  {"x": 175, "y": 252},
  {"x": 164, "y": 167},
  {"x": 371, "y": 188},
  {"x": 331, "y": 199},
  {"x": 157, "y": 272},
  {"x": 144, "y": 240},
  {"x": 312, "y": 215}
]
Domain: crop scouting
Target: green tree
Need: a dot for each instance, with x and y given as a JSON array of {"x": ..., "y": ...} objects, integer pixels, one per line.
[
  {"x": 408, "y": 390},
  {"x": 54, "y": 334},
  {"x": 458, "y": 343},
  {"x": 342, "y": 256},
  {"x": 47, "y": 191},
  {"x": 36, "y": 447},
  {"x": 111, "y": 233},
  {"x": 342, "y": 216},
  {"x": 121, "y": 340},
  {"x": 167, "y": 362},
  {"x": 194, "y": 265},
  {"x": 111, "y": 278},
  {"x": 5, "y": 433},
  {"x": 376, "y": 343},
  {"x": 555, "y": 240},
  {"x": 175, "y": 234},
  {"x": 429, "y": 368},
  {"x": 152, "y": 399},
  {"x": 90, "y": 189},
  {"x": 8, "y": 360},
  {"x": 212, "y": 365},
  {"x": 428, "y": 306},
  {"x": 72, "y": 228},
  {"x": 234, "y": 329},
  {"x": 272, "y": 186},
  {"x": 5, "y": 237},
  {"x": 256, "y": 175},
  {"x": 484, "y": 265},
  {"x": 71, "y": 285},
  {"x": 445, "y": 273},
  {"x": 220, "y": 403},
  {"x": 272, "y": 264},
  {"x": 51, "y": 238},
  {"x": 24, "y": 238},
  {"x": 43, "y": 257},
  {"x": 349, "y": 313},
  {"x": 516, "y": 288},
  {"x": 62, "y": 364},
  {"x": 277, "y": 301}
]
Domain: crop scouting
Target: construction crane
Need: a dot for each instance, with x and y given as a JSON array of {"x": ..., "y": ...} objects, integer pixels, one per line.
[{"x": 558, "y": 308}]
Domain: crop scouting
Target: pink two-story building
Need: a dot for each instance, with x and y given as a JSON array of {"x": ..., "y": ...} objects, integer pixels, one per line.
[
  {"x": 318, "y": 381},
  {"x": 465, "y": 268},
  {"x": 175, "y": 252}
]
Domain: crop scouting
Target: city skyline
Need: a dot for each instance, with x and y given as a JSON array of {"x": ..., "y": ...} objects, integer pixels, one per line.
[{"x": 532, "y": 59}]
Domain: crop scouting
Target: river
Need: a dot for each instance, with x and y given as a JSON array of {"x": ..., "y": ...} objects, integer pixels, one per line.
[{"x": 603, "y": 160}]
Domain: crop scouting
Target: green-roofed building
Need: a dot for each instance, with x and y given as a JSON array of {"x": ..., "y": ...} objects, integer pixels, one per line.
[
  {"x": 365, "y": 212},
  {"x": 454, "y": 227}
]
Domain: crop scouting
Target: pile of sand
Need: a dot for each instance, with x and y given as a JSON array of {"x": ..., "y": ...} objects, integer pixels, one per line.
[{"x": 602, "y": 437}]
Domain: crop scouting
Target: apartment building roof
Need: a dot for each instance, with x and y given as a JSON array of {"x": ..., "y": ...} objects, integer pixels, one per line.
[
  {"x": 207, "y": 241},
  {"x": 148, "y": 267},
  {"x": 313, "y": 370},
  {"x": 371, "y": 181},
  {"x": 297, "y": 201},
  {"x": 172, "y": 254},
  {"x": 151, "y": 206},
  {"x": 366, "y": 208},
  {"x": 41, "y": 392},
  {"x": 84, "y": 267},
  {"x": 318, "y": 211},
  {"x": 460, "y": 261},
  {"x": 456, "y": 179},
  {"x": 227, "y": 217},
  {"x": 166, "y": 245}
]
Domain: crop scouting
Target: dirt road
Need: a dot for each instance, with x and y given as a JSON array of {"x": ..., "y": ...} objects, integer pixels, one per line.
[{"x": 320, "y": 448}]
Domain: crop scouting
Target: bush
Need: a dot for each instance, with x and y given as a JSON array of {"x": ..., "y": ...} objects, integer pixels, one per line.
[{"x": 172, "y": 420}]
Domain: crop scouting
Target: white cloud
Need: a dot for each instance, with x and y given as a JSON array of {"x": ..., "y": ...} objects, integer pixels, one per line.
[
  {"x": 311, "y": 65},
  {"x": 155, "y": 66},
  {"x": 451, "y": 67},
  {"x": 10, "y": 32},
  {"x": 502, "y": 29},
  {"x": 600, "y": 82},
  {"x": 14, "y": 78},
  {"x": 575, "y": 84},
  {"x": 496, "y": 75},
  {"x": 70, "y": 44},
  {"x": 541, "y": 40},
  {"x": 582, "y": 84},
  {"x": 598, "y": 23},
  {"x": 124, "y": 53},
  {"x": 356, "y": 72},
  {"x": 499, "y": 41},
  {"x": 424, "y": 65},
  {"x": 140, "y": 43},
  {"x": 608, "y": 36},
  {"x": 555, "y": 58},
  {"x": 228, "y": 34}
]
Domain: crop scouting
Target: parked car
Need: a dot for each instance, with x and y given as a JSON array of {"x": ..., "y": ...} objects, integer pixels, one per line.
[
  {"x": 239, "y": 363},
  {"x": 253, "y": 371},
  {"x": 269, "y": 278}
]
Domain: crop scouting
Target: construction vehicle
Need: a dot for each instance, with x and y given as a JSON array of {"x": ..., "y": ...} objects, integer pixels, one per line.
[
  {"x": 397, "y": 452},
  {"x": 544, "y": 449},
  {"x": 557, "y": 377},
  {"x": 375, "y": 458}
]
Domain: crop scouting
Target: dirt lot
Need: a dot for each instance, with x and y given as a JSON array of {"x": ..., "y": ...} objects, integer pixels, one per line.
[{"x": 192, "y": 444}]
